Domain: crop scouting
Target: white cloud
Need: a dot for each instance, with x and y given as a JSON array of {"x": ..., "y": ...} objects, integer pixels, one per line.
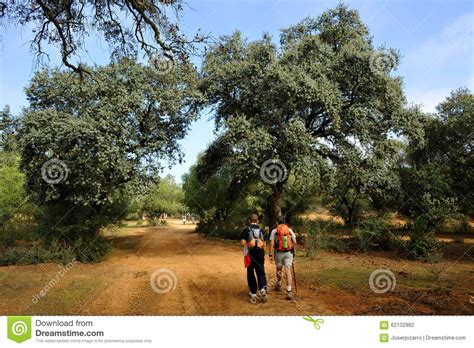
[
  {"x": 441, "y": 64},
  {"x": 430, "y": 99},
  {"x": 456, "y": 41}
]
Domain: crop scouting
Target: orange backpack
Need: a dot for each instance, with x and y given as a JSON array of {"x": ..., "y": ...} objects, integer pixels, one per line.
[{"x": 283, "y": 238}]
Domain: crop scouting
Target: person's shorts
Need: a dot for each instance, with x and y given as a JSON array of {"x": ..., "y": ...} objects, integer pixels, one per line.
[{"x": 283, "y": 258}]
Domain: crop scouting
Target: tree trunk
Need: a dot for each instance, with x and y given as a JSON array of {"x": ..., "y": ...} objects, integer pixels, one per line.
[
  {"x": 348, "y": 220},
  {"x": 274, "y": 205}
]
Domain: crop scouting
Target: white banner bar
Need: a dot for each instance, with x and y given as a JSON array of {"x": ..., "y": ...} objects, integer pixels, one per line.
[{"x": 406, "y": 331}]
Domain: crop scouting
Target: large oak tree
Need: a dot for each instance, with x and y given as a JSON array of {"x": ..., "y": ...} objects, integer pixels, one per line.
[
  {"x": 324, "y": 94},
  {"x": 84, "y": 144}
]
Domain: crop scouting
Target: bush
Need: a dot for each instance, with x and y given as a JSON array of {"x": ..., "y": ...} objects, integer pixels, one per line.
[
  {"x": 463, "y": 227},
  {"x": 422, "y": 244},
  {"x": 320, "y": 234},
  {"x": 375, "y": 234},
  {"x": 19, "y": 227},
  {"x": 57, "y": 251},
  {"x": 75, "y": 221},
  {"x": 323, "y": 241},
  {"x": 91, "y": 250},
  {"x": 133, "y": 216},
  {"x": 220, "y": 230},
  {"x": 36, "y": 253}
]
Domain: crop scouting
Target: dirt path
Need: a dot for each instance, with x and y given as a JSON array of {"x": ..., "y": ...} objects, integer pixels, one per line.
[{"x": 208, "y": 278}]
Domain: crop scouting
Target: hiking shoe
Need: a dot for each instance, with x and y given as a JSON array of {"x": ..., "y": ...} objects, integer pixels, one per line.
[
  {"x": 263, "y": 296},
  {"x": 289, "y": 294},
  {"x": 253, "y": 298},
  {"x": 278, "y": 287}
]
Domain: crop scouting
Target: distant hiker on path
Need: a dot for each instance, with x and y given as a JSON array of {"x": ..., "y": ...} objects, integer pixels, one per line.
[
  {"x": 184, "y": 219},
  {"x": 282, "y": 243},
  {"x": 253, "y": 241}
]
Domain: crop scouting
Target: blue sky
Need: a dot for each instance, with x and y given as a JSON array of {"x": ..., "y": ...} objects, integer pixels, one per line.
[{"x": 436, "y": 39}]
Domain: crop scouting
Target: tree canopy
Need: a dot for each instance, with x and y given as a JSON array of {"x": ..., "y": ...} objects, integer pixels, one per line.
[
  {"x": 86, "y": 143},
  {"x": 164, "y": 197},
  {"x": 438, "y": 174},
  {"x": 324, "y": 96}
]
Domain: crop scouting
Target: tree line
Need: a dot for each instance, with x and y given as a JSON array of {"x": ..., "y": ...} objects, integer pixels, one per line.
[{"x": 315, "y": 117}]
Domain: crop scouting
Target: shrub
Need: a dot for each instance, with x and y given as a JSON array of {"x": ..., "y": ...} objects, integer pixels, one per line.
[
  {"x": 19, "y": 227},
  {"x": 323, "y": 241},
  {"x": 36, "y": 253},
  {"x": 91, "y": 250},
  {"x": 133, "y": 216},
  {"x": 374, "y": 234},
  {"x": 422, "y": 244},
  {"x": 222, "y": 230},
  {"x": 463, "y": 227},
  {"x": 321, "y": 234}
]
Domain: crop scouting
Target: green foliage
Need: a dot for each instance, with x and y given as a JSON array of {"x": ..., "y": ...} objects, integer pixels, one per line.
[
  {"x": 365, "y": 183},
  {"x": 422, "y": 244},
  {"x": 321, "y": 235},
  {"x": 8, "y": 130},
  {"x": 12, "y": 194},
  {"x": 312, "y": 102},
  {"x": 106, "y": 134},
  {"x": 346, "y": 202},
  {"x": 164, "y": 197},
  {"x": 90, "y": 250},
  {"x": 68, "y": 222},
  {"x": 221, "y": 203},
  {"x": 463, "y": 227},
  {"x": 16, "y": 212},
  {"x": 375, "y": 234},
  {"x": 36, "y": 253},
  {"x": 438, "y": 176}
]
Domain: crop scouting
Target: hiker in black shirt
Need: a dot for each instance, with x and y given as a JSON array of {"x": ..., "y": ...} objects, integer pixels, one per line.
[{"x": 253, "y": 241}]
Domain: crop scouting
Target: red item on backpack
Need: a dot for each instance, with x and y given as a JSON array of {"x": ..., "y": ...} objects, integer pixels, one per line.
[
  {"x": 247, "y": 260},
  {"x": 283, "y": 240}
]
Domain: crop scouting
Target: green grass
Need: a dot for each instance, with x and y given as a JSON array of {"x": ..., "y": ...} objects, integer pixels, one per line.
[
  {"x": 347, "y": 278},
  {"x": 66, "y": 298}
]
